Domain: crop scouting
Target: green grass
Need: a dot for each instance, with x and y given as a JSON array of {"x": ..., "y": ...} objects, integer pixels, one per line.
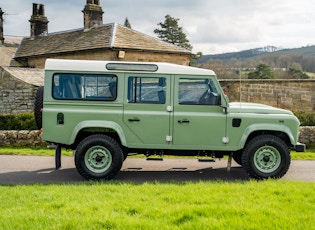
[
  {"x": 203, "y": 205},
  {"x": 311, "y": 75},
  {"x": 308, "y": 155},
  {"x": 27, "y": 151}
]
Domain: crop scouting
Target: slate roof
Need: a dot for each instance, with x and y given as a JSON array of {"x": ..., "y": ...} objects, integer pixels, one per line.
[
  {"x": 8, "y": 50},
  {"x": 31, "y": 76},
  {"x": 107, "y": 36},
  {"x": 6, "y": 55}
]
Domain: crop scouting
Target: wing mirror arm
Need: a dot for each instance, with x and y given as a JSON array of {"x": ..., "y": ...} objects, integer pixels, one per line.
[{"x": 225, "y": 107}]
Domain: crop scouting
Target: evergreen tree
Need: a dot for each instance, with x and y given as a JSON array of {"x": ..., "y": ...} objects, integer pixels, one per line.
[
  {"x": 263, "y": 71},
  {"x": 127, "y": 23},
  {"x": 297, "y": 73},
  {"x": 171, "y": 32}
]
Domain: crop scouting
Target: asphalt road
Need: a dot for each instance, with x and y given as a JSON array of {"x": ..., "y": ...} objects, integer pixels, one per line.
[{"x": 40, "y": 170}]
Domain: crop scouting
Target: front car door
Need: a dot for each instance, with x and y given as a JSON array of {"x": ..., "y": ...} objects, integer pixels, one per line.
[{"x": 199, "y": 120}]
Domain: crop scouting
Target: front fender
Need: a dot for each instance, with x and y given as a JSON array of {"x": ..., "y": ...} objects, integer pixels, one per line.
[
  {"x": 99, "y": 124},
  {"x": 263, "y": 127}
]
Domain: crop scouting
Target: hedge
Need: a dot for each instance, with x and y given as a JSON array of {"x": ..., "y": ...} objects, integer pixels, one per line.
[
  {"x": 23, "y": 121},
  {"x": 306, "y": 118}
]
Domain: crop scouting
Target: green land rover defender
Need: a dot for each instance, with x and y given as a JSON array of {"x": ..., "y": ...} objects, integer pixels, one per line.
[{"x": 105, "y": 110}]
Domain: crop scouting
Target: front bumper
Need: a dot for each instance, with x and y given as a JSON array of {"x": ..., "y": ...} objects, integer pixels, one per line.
[{"x": 299, "y": 147}]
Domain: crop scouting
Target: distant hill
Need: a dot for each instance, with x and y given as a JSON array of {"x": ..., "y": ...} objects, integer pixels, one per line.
[{"x": 303, "y": 51}]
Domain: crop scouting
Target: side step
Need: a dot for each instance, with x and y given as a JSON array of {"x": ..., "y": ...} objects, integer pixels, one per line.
[
  {"x": 154, "y": 159},
  {"x": 205, "y": 160}
]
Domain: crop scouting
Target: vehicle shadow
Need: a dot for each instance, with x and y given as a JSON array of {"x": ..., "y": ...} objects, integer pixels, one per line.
[
  {"x": 178, "y": 175},
  {"x": 130, "y": 175}
]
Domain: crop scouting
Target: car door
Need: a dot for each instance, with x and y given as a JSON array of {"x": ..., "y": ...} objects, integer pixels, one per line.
[
  {"x": 199, "y": 121},
  {"x": 146, "y": 110}
]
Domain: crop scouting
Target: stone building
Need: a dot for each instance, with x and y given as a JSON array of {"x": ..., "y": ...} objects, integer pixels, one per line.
[
  {"x": 17, "y": 88},
  {"x": 39, "y": 22},
  {"x": 96, "y": 41}
]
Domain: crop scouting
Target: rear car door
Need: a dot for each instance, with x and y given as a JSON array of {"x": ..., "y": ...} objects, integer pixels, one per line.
[{"x": 145, "y": 110}]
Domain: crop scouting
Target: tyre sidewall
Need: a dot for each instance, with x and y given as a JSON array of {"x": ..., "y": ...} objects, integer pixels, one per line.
[
  {"x": 38, "y": 106},
  {"x": 99, "y": 140},
  {"x": 237, "y": 157}
]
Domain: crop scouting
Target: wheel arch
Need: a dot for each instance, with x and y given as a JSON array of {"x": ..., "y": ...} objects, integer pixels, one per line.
[
  {"x": 280, "y": 131},
  {"x": 86, "y": 128}
]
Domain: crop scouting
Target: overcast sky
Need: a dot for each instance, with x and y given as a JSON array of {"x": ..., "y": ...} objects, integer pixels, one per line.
[{"x": 212, "y": 26}]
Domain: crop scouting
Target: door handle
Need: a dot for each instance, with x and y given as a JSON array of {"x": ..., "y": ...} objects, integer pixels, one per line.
[
  {"x": 133, "y": 119},
  {"x": 183, "y": 121}
]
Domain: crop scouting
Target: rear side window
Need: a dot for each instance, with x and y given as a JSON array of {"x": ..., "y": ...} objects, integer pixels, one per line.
[
  {"x": 85, "y": 87},
  {"x": 148, "y": 90}
]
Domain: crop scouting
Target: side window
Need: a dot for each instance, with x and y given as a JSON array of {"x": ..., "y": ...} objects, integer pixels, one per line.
[
  {"x": 85, "y": 87},
  {"x": 197, "y": 92},
  {"x": 150, "y": 90}
]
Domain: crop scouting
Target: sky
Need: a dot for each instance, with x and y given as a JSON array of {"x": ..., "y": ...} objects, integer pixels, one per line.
[{"x": 211, "y": 26}]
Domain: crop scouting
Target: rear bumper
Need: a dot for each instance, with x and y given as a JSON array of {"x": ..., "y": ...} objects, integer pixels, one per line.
[{"x": 299, "y": 147}]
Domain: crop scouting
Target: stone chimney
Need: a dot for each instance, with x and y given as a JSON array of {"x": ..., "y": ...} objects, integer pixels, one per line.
[
  {"x": 1, "y": 27},
  {"x": 93, "y": 14},
  {"x": 39, "y": 23}
]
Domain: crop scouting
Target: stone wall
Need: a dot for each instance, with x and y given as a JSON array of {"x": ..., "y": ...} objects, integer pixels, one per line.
[
  {"x": 286, "y": 94},
  {"x": 20, "y": 138},
  {"x": 16, "y": 96},
  {"x": 33, "y": 138},
  {"x": 307, "y": 135}
]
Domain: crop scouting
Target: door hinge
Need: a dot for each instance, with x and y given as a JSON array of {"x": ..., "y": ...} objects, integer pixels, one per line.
[
  {"x": 169, "y": 108},
  {"x": 225, "y": 140}
]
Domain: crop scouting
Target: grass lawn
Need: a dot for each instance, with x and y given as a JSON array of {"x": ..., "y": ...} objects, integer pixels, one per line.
[{"x": 203, "y": 205}]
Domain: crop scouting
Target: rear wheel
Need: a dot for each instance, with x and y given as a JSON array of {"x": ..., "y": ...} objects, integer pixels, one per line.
[
  {"x": 98, "y": 157},
  {"x": 265, "y": 157}
]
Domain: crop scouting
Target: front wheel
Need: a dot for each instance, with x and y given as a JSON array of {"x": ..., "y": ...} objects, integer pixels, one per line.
[
  {"x": 265, "y": 157},
  {"x": 98, "y": 157}
]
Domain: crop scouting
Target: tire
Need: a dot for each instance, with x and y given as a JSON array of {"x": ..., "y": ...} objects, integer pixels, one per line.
[
  {"x": 266, "y": 156},
  {"x": 38, "y": 107},
  {"x": 98, "y": 157},
  {"x": 237, "y": 157}
]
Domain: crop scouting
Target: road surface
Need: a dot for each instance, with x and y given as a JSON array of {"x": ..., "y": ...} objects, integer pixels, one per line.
[{"x": 40, "y": 170}]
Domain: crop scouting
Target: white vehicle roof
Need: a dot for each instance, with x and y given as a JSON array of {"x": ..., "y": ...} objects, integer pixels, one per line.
[{"x": 143, "y": 67}]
